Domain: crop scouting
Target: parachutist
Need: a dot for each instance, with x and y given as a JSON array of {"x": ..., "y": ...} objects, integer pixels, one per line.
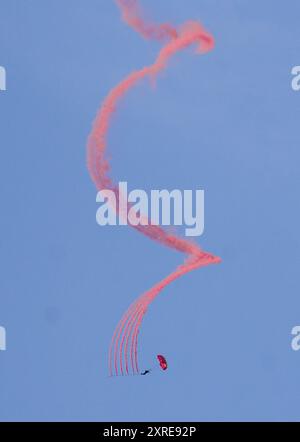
[{"x": 145, "y": 372}]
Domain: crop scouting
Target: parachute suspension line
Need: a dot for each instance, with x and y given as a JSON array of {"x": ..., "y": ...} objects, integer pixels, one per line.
[{"x": 98, "y": 165}]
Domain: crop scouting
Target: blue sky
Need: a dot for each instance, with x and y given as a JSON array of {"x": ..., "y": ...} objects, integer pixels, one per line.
[{"x": 226, "y": 122}]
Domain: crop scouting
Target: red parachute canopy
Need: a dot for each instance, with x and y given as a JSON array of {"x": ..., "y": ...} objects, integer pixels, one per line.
[{"x": 162, "y": 362}]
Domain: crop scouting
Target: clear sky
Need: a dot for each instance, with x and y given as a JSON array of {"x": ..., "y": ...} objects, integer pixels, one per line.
[{"x": 226, "y": 122}]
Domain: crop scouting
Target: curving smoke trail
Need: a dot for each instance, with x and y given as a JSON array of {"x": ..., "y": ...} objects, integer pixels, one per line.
[
  {"x": 125, "y": 338},
  {"x": 132, "y": 15}
]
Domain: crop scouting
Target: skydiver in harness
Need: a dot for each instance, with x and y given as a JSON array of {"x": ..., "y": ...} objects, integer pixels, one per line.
[{"x": 145, "y": 372}]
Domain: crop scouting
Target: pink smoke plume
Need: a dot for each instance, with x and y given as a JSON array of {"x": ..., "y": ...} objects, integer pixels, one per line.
[
  {"x": 133, "y": 16},
  {"x": 123, "y": 347}
]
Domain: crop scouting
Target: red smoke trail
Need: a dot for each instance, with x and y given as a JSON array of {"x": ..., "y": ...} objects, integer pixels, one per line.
[
  {"x": 132, "y": 15},
  {"x": 191, "y": 264},
  {"x": 190, "y": 33}
]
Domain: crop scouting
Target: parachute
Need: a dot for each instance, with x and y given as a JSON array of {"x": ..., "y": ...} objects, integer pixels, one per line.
[{"x": 162, "y": 362}]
